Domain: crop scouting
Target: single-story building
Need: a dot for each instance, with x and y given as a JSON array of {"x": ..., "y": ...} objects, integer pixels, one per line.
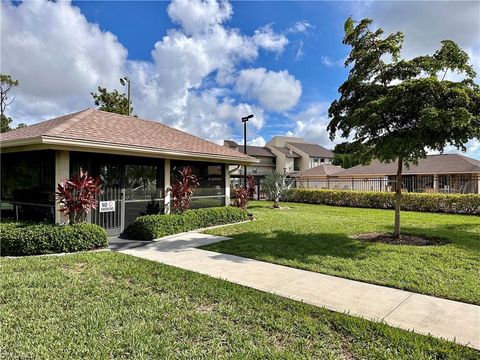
[
  {"x": 444, "y": 173},
  {"x": 134, "y": 158},
  {"x": 318, "y": 176}
]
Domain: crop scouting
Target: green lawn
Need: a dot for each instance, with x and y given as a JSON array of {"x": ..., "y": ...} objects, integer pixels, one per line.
[
  {"x": 317, "y": 238},
  {"x": 107, "y": 305}
]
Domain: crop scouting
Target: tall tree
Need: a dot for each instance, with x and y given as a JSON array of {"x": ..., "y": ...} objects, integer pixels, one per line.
[
  {"x": 111, "y": 101},
  {"x": 398, "y": 109},
  {"x": 6, "y": 84},
  {"x": 344, "y": 155}
]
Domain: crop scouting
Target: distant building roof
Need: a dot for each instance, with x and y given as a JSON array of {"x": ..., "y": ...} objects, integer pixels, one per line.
[
  {"x": 314, "y": 150},
  {"x": 321, "y": 170},
  {"x": 104, "y": 130},
  {"x": 287, "y": 152},
  {"x": 251, "y": 150},
  {"x": 432, "y": 164}
]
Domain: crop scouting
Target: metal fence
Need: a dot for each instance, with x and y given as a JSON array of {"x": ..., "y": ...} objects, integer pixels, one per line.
[{"x": 449, "y": 184}]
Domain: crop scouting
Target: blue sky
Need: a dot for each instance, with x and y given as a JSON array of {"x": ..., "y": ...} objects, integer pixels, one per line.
[{"x": 200, "y": 66}]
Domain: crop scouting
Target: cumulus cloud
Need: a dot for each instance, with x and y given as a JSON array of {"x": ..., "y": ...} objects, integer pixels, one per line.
[
  {"x": 199, "y": 16},
  {"x": 57, "y": 55},
  {"x": 258, "y": 141},
  {"x": 187, "y": 83},
  {"x": 311, "y": 124},
  {"x": 426, "y": 23},
  {"x": 268, "y": 39},
  {"x": 276, "y": 91}
]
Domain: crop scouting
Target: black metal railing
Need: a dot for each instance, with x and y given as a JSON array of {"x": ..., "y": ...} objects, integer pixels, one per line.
[{"x": 448, "y": 184}]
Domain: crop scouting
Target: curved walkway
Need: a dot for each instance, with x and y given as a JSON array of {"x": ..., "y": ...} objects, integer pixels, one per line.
[{"x": 452, "y": 320}]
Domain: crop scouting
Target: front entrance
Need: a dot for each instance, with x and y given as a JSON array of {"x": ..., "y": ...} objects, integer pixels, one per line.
[{"x": 110, "y": 210}]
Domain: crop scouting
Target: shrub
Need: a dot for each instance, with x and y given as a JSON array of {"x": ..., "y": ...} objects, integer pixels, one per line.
[
  {"x": 21, "y": 238},
  {"x": 241, "y": 198},
  {"x": 77, "y": 196},
  {"x": 447, "y": 203},
  {"x": 151, "y": 227},
  {"x": 182, "y": 189}
]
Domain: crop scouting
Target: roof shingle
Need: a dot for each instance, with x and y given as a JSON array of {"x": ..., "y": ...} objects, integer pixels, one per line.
[
  {"x": 432, "y": 164},
  {"x": 108, "y": 128},
  {"x": 314, "y": 150}
]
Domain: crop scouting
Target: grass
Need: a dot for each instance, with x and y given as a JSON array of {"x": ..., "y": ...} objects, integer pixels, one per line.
[
  {"x": 317, "y": 238},
  {"x": 108, "y": 305}
]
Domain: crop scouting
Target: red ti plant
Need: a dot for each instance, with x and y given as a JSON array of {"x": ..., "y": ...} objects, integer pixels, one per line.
[
  {"x": 182, "y": 189},
  {"x": 251, "y": 184},
  {"x": 241, "y": 198},
  {"x": 77, "y": 196}
]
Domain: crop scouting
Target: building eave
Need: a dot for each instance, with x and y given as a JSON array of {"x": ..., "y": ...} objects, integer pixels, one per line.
[{"x": 97, "y": 146}]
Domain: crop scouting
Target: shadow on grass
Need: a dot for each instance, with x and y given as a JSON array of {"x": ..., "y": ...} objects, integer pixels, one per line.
[
  {"x": 292, "y": 246},
  {"x": 458, "y": 235}
]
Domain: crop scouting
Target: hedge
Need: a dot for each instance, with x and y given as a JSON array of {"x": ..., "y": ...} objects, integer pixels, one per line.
[
  {"x": 447, "y": 203},
  {"x": 21, "y": 238},
  {"x": 151, "y": 227}
]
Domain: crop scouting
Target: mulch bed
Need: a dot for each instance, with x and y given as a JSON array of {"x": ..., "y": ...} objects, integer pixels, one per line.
[{"x": 403, "y": 240}]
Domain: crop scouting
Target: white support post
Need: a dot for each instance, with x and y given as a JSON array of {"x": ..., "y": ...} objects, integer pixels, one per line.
[
  {"x": 478, "y": 183},
  {"x": 435, "y": 183},
  {"x": 62, "y": 172},
  {"x": 166, "y": 181},
  {"x": 227, "y": 185}
]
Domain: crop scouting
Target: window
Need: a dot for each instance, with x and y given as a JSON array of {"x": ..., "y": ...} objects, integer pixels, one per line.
[
  {"x": 322, "y": 160},
  {"x": 254, "y": 170},
  {"x": 211, "y": 178},
  {"x": 28, "y": 185}
]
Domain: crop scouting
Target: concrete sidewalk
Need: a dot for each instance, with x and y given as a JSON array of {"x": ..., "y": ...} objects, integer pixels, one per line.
[{"x": 447, "y": 319}]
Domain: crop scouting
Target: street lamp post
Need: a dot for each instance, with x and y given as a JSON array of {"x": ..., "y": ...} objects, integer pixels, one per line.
[
  {"x": 126, "y": 81},
  {"x": 244, "y": 121}
]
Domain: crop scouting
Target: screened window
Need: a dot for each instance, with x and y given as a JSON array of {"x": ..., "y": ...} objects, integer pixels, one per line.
[{"x": 28, "y": 185}]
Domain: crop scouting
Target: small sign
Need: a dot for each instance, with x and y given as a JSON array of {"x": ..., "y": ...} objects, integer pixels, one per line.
[{"x": 107, "y": 206}]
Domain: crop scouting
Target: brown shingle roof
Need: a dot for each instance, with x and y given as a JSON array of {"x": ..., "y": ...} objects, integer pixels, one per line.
[
  {"x": 100, "y": 127},
  {"x": 432, "y": 164},
  {"x": 251, "y": 150},
  {"x": 322, "y": 170},
  {"x": 287, "y": 152},
  {"x": 314, "y": 150}
]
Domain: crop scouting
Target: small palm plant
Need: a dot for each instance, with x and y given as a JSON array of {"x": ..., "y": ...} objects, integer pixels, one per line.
[
  {"x": 77, "y": 196},
  {"x": 276, "y": 187}
]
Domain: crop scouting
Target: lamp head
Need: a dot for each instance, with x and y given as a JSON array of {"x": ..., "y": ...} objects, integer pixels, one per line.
[
  {"x": 122, "y": 81},
  {"x": 246, "y": 118}
]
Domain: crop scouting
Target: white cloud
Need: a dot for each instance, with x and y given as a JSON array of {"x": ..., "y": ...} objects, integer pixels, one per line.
[
  {"x": 199, "y": 16},
  {"x": 299, "y": 54},
  {"x": 300, "y": 27},
  {"x": 57, "y": 55},
  {"x": 276, "y": 91},
  {"x": 329, "y": 62},
  {"x": 187, "y": 84},
  {"x": 268, "y": 39},
  {"x": 311, "y": 124},
  {"x": 425, "y": 24},
  {"x": 258, "y": 141}
]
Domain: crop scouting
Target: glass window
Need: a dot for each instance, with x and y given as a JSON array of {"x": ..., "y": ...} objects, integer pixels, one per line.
[
  {"x": 210, "y": 177},
  {"x": 141, "y": 182},
  {"x": 28, "y": 185}
]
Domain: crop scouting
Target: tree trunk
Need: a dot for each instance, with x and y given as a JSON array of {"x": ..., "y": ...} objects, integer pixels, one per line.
[{"x": 398, "y": 198}]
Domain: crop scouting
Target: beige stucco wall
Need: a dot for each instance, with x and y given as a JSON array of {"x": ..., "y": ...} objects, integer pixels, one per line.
[{"x": 62, "y": 173}]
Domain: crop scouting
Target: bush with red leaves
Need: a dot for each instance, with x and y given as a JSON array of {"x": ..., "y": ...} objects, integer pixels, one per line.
[
  {"x": 241, "y": 198},
  {"x": 77, "y": 196},
  {"x": 181, "y": 190}
]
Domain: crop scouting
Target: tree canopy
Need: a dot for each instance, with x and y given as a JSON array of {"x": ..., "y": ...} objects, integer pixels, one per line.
[
  {"x": 111, "y": 101},
  {"x": 6, "y": 85},
  {"x": 344, "y": 155},
  {"x": 397, "y": 109}
]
